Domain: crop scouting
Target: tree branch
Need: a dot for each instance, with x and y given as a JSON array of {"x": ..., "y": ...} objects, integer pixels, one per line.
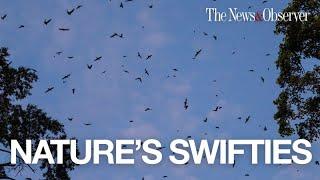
[{"x": 6, "y": 151}]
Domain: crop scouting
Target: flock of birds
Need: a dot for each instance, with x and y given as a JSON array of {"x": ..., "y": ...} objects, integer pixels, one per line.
[{"x": 147, "y": 57}]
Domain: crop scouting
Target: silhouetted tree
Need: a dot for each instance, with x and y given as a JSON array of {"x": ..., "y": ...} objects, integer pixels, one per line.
[
  {"x": 298, "y": 60},
  {"x": 26, "y": 122}
]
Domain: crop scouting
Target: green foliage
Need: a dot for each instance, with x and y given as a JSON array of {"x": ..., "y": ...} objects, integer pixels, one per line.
[
  {"x": 29, "y": 122},
  {"x": 299, "y": 102}
]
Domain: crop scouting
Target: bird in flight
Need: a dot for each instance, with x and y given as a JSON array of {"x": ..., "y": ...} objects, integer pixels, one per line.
[
  {"x": 247, "y": 119},
  {"x": 139, "y": 79},
  {"x": 205, "y": 120},
  {"x": 149, "y": 56},
  {"x": 217, "y": 108},
  {"x": 73, "y": 90},
  {"x": 265, "y": 128},
  {"x": 87, "y": 124},
  {"x": 79, "y": 6},
  {"x": 46, "y": 21},
  {"x": 98, "y": 58},
  {"x": 116, "y": 35},
  {"x": 262, "y": 79},
  {"x": 317, "y": 163},
  {"x": 121, "y": 5},
  {"x": 146, "y": 71},
  {"x": 89, "y": 66},
  {"x": 139, "y": 55},
  {"x": 66, "y": 76},
  {"x": 69, "y": 12},
  {"x": 197, "y": 54},
  {"x": 3, "y": 17},
  {"x": 147, "y": 109},
  {"x": 64, "y": 29},
  {"x": 186, "y": 104},
  {"x": 49, "y": 89},
  {"x": 21, "y": 26},
  {"x": 70, "y": 118},
  {"x": 215, "y": 37}
]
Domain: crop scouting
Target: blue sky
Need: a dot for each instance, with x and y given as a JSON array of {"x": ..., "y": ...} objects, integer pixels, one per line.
[{"x": 110, "y": 100}]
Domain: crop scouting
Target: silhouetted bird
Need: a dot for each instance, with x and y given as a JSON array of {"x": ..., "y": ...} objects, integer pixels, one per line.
[
  {"x": 217, "y": 108},
  {"x": 47, "y": 21},
  {"x": 262, "y": 79},
  {"x": 89, "y": 66},
  {"x": 317, "y": 163},
  {"x": 73, "y": 90},
  {"x": 247, "y": 119},
  {"x": 139, "y": 79},
  {"x": 49, "y": 89},
  {"x": 116, "y": 35},
  {"x": 98, "y": 58},
  {"x": 64, "y": 29},
  {"x": 139, "y": 55},
  {"x": 70, "y": 119},
  {"x": 186, "y": 104},
  {"x": 146, "y": 72},
  {"x": 21, "y": 26},
  {"x": 197, "y": 54},
  {"x": 265, "y": 128},
  {"x": 79, "y": 6},
  {"x": 121, "y": 5},
  {"x": 205, "y": 120},
  {"x": 66, "y": 76},
  {"x": 69, "y": 12},
  {"x": 3, "y": 17},
  {"x": 148, "y": 109},
  {"x": 149, "y": 56},
  {"x": 215, "y": 37},
  {"x": 87, "y": 124}
]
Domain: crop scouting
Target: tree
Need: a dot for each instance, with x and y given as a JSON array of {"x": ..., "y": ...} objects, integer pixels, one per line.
[
  {"x": 298, "y": 103},
  {"x": 26, "y": 122}
]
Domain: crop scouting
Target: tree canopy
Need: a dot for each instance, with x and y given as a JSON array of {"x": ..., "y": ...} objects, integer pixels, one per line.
[
  {"x": 298, "y": 60},
  {"x": 26, "y": 122}
]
